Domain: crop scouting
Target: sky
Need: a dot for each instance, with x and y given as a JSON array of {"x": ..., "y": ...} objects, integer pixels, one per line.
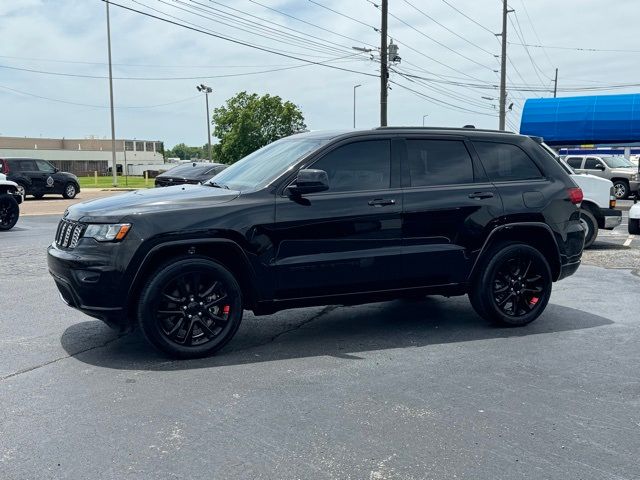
[{"x": 448, "y": 50}]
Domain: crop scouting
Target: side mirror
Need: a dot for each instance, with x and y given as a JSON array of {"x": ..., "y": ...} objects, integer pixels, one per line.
[
  {"x": 600, "y": 167},
  {"x": 56, "y": 170},
  {"x": 309, "y": 181}
]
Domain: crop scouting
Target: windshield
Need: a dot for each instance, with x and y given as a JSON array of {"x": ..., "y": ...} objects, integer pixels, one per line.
[
  {"x": 189, "y": 169},
  {"x": 261, "y": 167},
  {"x": 617, "y": 161}
]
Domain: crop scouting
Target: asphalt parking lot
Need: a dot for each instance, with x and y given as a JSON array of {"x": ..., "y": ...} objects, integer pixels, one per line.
[{"x": 397, "y": 390}]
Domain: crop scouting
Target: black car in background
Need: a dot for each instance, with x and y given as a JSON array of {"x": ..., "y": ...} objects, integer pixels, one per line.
[
  {"x": 38, "y": 177},
  {"x": 326, "y": 218},
  {"x": 189, "y": 173}
]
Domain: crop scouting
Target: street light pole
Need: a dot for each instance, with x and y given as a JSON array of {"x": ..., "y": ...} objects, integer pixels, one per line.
[
  {"x": 114, "y": 166},
  {"x": 354, "y": 104},
  {"x": 207, "y": 90},
  {"x": 423, "y": 117}
]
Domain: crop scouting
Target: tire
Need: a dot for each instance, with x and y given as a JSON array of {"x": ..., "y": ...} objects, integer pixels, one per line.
[
  {"x": 492, "y": 290},
  {"x": 621, "y": 189},
  {"x": 9, "y": 212},
  {"x": 634, "y": 226},
  {"x": 183, "y": 287},
  {"x": 22, "y": 190},
  {"x": 590, "y": 225},
  {"x": 70, "y": 191}
]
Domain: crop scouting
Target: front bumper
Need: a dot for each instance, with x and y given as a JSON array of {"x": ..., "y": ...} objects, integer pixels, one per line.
[
  {"x": 611, "y": 218},
  {"x": 88, "y": 286}
]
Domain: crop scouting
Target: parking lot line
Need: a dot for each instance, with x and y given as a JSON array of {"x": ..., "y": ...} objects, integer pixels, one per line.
[{"x": 628, "y": 241}]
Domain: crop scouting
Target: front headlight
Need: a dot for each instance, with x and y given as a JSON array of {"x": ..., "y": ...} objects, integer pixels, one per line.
[{"x": 107, "y": 233}]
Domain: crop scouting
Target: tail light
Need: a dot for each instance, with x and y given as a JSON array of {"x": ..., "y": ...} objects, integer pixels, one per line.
[
  {"x": 612, "y": 199},
  {"x": 4, "y": 166},
  {"x": 575, "y": 195}
]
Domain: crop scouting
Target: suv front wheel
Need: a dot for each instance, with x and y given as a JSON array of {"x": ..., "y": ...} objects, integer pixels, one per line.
[
  {"x": 513, "y": 285},
  {"x": 191, "y": 307}
]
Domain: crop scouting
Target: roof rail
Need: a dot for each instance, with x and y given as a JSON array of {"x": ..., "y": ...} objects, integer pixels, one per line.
[{"x": 466, "y": 128}]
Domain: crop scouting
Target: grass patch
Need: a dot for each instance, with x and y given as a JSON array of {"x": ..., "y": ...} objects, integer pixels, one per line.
[{"x": 123, "y": 182}]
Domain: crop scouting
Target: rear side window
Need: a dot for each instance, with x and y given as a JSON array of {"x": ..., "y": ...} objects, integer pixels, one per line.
[
  {"x": 505, "y": 162},
  {"x": 574, "y": 162},
  {"x": 438, "y": 162},
  {"x": 24, "y": 165},
  {"x": 358, "y": 166}
]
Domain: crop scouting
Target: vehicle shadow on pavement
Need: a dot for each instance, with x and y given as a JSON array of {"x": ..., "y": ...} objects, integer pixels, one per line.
[{"x": 342, "y": 332}]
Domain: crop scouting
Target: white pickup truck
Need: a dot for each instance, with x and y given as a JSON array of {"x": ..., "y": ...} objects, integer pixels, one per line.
[{"x": 598, "y": 206}]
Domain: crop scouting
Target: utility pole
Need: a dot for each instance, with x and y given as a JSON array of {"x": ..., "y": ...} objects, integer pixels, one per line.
[
  {"x": 503, "y": 66},
  {"x": 207, "y": 90},
  {"x": 384, "y": 64},
  {"x": 555, "y": 85},
  {"x": 114, "y": 166},
  {"x": 354, "y": 104}
]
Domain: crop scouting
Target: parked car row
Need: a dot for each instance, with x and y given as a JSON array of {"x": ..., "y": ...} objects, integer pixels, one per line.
[{"x": 622, "y": 173}]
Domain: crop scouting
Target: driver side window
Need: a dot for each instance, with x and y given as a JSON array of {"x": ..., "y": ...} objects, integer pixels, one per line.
[
  {"x": 358, "y": 166},
  {"x": 45, "y": 167}
]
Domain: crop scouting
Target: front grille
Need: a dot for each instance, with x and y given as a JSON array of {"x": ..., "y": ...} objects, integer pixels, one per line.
[{"x": 69, "y": 233}]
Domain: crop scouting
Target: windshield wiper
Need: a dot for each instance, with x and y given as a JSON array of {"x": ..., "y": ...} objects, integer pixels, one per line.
[{"x": 217, "y": 185}]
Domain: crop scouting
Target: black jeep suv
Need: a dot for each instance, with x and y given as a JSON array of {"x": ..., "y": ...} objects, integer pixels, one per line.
[
  {"x": 39, "y": 178},
  {"x": 327, "y": 217}
]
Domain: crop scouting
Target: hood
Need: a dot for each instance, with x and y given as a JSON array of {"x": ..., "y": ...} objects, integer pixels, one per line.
[{"x": 139, "y": 202}]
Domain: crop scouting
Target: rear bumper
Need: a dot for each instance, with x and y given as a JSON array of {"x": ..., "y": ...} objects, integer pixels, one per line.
[
  {"x": 611, "y": 218},
  {"x": 634, "y": 186}
]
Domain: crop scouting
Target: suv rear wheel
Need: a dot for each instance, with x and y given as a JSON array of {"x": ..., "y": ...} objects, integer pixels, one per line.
[
  {"x": 191, "y": 307},
  {"x": 513, "y": 285}
]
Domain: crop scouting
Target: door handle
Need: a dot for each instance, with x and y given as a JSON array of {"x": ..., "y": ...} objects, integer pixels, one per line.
[
  {"x": 381, "y": 202},
  {"x": 481, "y": 195}
]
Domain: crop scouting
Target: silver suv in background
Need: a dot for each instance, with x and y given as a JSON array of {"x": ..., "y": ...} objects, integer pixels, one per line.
[{"x": 616, "y": 168}]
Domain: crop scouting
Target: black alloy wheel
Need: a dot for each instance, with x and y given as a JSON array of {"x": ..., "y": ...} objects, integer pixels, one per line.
[
  {"x": 190, "y": 308},
  {"x": 9, "y": 212},
  {"x": 514, "y": 285}
]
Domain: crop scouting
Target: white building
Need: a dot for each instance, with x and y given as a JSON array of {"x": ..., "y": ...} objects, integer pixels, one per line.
[{"x": 88, "y": 155}]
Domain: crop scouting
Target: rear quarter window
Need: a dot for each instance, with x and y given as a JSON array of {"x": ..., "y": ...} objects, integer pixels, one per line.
[{"x": 505, "y": 162}]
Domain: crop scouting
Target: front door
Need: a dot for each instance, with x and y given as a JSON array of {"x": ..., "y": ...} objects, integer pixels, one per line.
[
  {"x": 346, "y": 239},
  {"x": 448, "y": 204},
  {"x": 51, "y": 181}
]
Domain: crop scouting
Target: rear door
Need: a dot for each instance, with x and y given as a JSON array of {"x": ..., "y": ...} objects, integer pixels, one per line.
[
  {"x": 448, "y": 205},
  {"x": 596, "y": 166},
  {"x": 29, "y": 171},
  {"x": 346, "y": 239}
]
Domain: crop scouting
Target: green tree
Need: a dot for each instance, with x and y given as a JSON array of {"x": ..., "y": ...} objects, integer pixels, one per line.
[
  {"x": 185, "y": 152},
  {"x": 248, "y": 122}
]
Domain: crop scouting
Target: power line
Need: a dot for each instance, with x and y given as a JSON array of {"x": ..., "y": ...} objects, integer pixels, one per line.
[
  {"x": 344, "y": 15},
  {"x": 468, "y": 17},
  {"x": 201, "y": 77},
  {"x": 519, "y": 32},
  {"x": 445, "y": 27},
  {"x": 236, "y": 41},
  {"x": 96, "y": 106},
  {"x": 578, "y": 49},
  {"x": 535, "y": 32},
  {"x": 440, "y": 102},
  {"x": 432, "y": 39}
]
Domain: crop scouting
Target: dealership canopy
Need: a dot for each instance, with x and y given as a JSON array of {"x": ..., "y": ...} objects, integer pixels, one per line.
[{"x": 600, "y": 119}]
